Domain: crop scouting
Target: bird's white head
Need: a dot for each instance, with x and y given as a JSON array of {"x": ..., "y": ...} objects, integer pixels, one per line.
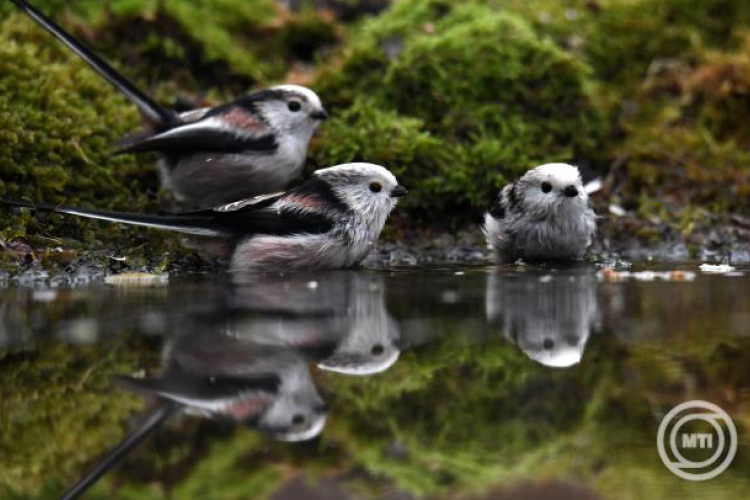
[
  {"x": 290, "y": 109},
  {"x": 368, "y": 190},
  {"x": 553, "y": 186}
]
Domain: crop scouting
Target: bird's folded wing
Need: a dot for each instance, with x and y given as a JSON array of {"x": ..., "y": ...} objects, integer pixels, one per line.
[
  {"x": 298, "y": 211},
  {"x": 224, "y": 133},
  {"x": 152, "y": 129},
  {"x": 260, "y": 201},
  {"x": 499, "y": 207},
  {"x": 188, "y": 388},
  {"x": 274, "y": 220}
]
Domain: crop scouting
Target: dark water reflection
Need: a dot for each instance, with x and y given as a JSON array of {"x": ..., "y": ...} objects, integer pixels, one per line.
[{"x": 451, "y": 382}]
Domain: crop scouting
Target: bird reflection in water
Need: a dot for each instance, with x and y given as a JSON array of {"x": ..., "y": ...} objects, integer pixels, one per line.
[
  {"x": 549, "y": 316},
  {"x": 222, "y": 377},
  {"x": 338, "y": 319},
  {"x": 248, "y": 361}
]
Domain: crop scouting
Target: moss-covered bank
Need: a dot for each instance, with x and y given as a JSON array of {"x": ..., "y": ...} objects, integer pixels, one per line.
[{"x": 456, "y": 97}]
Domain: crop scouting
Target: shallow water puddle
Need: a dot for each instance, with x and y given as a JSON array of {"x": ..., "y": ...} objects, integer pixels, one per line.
[{"x": 460, "y": 382}]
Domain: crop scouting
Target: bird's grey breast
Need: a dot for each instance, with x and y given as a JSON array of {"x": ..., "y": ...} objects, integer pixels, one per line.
[{"x": 563, "y": 234}]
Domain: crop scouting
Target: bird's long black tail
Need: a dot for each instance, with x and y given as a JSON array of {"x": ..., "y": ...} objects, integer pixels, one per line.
[
  {"x": 195, "y": 224},
  {"x": 150, "y": 423},
  {"x": 152, "y": 110}
]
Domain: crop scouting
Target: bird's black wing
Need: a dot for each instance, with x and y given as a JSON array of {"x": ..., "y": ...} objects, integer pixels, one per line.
[
  {"x": 150, "y": 108},
  {"x": 310, "y": 208},
  {"x": 225, "y": 129},
  {"x": 499, "y": 207},
  {"x": 190, "y": 389},
  {"x": 286, "y": 215},
  {"x": 508, "y": 200}
]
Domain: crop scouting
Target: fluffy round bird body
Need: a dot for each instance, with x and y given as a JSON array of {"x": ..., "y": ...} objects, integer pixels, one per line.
[
  {"x": 256, "y": 144},
  {"x": 544, "y": 216},
  {"x": 330, "y": 221}
]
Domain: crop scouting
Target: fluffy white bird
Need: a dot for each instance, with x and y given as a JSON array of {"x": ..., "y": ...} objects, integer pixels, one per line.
[
  {"x": 331, "y": 221},
  {"x": 544, "y": 216},
  {"x": 215, "y": 375},
  {"x": 338, "y": 319},
  {"x": 254, "y": 145}
]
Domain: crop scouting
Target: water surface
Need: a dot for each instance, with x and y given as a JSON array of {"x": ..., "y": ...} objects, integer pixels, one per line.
[{"x": 447, "y": 382}]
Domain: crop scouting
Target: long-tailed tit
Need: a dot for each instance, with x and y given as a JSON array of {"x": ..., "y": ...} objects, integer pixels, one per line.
[
  {"x": 330, "y": 221},
  {"x": 338, "y": 319},
  {"x": 214, "y": 374},
  {"x": 254, "y": 145},
  {"x": 544, "y": 216},
  {"x": 218, "y": 375},
  {"x": 549, "y": 317}
]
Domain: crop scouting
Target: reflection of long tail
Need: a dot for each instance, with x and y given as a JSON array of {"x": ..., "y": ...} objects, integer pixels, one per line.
[
  {"x": 150, "y": 108},
  {"x": 150, "y": 423}
]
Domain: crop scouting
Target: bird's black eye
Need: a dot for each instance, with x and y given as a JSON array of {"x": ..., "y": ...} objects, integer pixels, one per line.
[
  {"x": 546, "y": 187},
  {"x": 298, "y": 419},
  {"x": 294, "y": 106},
  {"x": 376, "y": 187},
  {"x": 377, "y": 350}
]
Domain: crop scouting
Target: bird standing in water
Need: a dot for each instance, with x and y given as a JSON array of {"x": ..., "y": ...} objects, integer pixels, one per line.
[
  {"x": 254, "y": 145},
  {"x": 544, "y": 216},
  {"x": 330, "y": 221}
]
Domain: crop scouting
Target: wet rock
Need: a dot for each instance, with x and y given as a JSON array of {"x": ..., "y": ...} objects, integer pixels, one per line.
[{"x": 401, "y": 257}]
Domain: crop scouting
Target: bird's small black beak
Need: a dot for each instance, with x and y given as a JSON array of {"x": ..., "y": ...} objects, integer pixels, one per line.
[
  {"x": 570, "y": 191},
  {"x": 321, "y": 115},
  {"x": 399, "y": 191}
]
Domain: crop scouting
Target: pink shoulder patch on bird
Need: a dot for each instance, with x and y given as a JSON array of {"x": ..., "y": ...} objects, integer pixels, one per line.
[
  {"x": 307, "y": 202},
  {"x": 247, "y": 407},
  {"x": 243, "y": 119}
]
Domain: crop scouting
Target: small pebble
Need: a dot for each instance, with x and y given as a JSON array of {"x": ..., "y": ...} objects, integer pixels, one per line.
[
  {"x": 716, "y": 269},
  {"x": 136, "y": 279}
]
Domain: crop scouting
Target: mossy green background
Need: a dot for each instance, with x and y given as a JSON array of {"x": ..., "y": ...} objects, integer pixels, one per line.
[{"x": 456, "y": 97}]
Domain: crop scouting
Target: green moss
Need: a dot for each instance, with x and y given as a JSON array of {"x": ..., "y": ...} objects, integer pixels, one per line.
[
  {"x": 198, "y": 44},
  {"x": 60, "y": 410},
  {"x": 206, "y": 44},
  {"x": 57, "y": 122},
  {"x": 85, "y": 8},
  {"x": 480, "y": 84},
  {"x": 628, "y": 35},
  {"x": 383, "y": 137},
  {"x": 683, "y": 143}
]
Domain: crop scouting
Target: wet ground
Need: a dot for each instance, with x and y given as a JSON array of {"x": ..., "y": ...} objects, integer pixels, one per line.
[{"x": 465, "y": 381}]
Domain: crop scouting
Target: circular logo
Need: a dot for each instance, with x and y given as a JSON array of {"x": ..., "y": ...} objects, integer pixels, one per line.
[{"x": 700, "y": 430}]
